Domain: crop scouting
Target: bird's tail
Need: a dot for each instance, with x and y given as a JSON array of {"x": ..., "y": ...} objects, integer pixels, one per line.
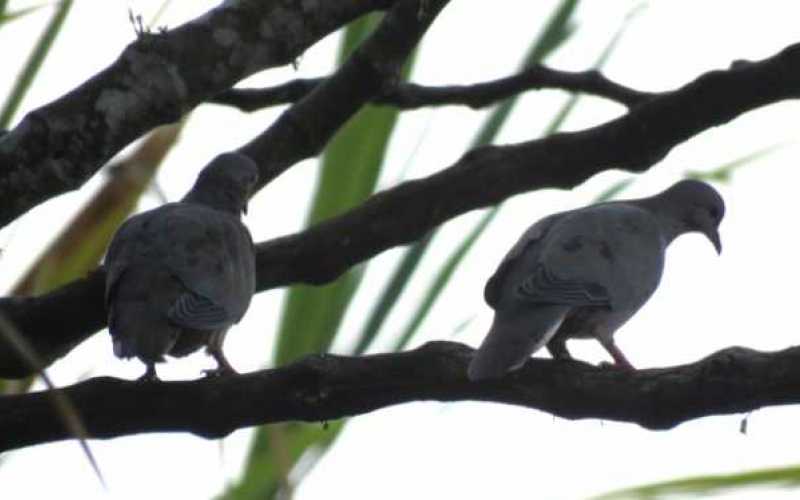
[
  {"x": 134, "y": 336},
  {"x": 512, "y": 338}
]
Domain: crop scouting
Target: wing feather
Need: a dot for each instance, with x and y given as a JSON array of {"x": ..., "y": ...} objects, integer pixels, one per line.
[
  {"x": 199, "y": 313},
  {"x": 527, "y": 243},
  {"x": 542, "y": 287}
]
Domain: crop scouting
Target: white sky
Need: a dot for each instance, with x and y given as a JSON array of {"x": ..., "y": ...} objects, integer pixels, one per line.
[{"x": 470, "y": 450}]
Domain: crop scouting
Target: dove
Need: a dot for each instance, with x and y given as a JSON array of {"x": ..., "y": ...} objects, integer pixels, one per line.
[
  {"x": 178, "y": 276},
  {"x": 585, "y": 272}
]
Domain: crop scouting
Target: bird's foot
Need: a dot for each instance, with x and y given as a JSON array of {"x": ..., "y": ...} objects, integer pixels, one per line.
[
  {"x": 220, "y": 371},
  {"x": 620, "y": 361},
  {"x": 223, "y": 367},
  {"x": 563, "y": 357},
  {"x": 150, "y": 375},
  {"x": 607, "y": 365},
  {"x": 557, "y": 347}
]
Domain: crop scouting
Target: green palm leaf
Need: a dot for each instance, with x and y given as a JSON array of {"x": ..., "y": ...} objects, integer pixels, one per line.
[
  {"x": 35, "y": 60},
  {"x": 703, "y": 486},
  {"x": 17, "y": 14},
  {"x": 312, "y": 315},
  {"x": 556, "y": 31},
  {"x": 724, "y": 173}
]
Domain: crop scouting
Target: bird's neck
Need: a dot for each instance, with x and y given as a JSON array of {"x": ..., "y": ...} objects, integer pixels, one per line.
[
  {"x": 668, "y": 217},
  {"x": 215, "y": 198},
  {"x": 671, "y": 227}
]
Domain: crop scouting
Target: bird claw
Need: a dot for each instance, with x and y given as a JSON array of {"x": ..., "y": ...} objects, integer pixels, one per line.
[
  {"x": 223, "y": 367},
  {"x": 220, "y": 371},
  {"x": 149, "y": 376},
  {"x": 607, "y": 365}
]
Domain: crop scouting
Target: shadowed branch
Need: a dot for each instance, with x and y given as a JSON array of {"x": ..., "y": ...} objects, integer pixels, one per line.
[
  {"x": 326, "y": 387},
  {"x": 156, "y": 80},
  {"x": 412, "y": 96}
]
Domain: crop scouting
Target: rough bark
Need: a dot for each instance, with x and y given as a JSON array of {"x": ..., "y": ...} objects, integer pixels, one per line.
[
  {"x": 156, "y": 80},
  {"x": 303, "y": 130},
  {"x": 326, "y": 387}
]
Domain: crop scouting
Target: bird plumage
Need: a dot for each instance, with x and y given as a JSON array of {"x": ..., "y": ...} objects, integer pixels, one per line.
[
  {"x": 585, "y": 272},
  {"x": 180, "y": 275}
]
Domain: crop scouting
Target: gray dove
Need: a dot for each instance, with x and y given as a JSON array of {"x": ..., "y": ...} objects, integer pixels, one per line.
[
  {"x": 585, "y": 272},
  {"x": 178, "y": 276}
]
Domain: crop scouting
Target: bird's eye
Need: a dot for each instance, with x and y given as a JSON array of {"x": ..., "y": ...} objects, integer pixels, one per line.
[{"x": 714, "y": 212}]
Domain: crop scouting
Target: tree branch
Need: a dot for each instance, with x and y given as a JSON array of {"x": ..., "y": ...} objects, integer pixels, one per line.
[
  {"x": 303, "y": 130},
  {"x": 488, "y": 175},
  {"x": 405, "y": 95},
  {"x": 53, "y": 323},
  {"x": 326, "y": 387},
  {"x": 485, "y": 176},
  {"x": 156, "y": 79}
]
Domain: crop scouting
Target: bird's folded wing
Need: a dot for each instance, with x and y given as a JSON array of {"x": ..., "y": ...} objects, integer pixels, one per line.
[
  {"x": 212, "y": 255},
  {"x": 543, "y": 287},
  {"x": 526, "y": 243},
  {"x": 198, "y": 312}
]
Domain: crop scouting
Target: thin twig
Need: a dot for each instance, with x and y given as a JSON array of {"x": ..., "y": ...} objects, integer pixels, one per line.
[{"x": 405, "y": 95}]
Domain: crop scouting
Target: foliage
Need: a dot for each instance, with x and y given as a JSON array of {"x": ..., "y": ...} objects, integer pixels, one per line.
[{"x": 312, "y": 316}]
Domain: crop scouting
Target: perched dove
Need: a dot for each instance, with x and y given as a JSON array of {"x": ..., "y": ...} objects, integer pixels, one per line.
[
  {"x": 585, "y": 272},
  {"x": 180, "y": 275}
]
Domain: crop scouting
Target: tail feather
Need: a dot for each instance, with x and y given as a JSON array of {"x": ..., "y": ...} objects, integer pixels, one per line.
[
  {"x": 138, "y": 308},
  {"x": 512, "y": 339},
  {"x": 135, "y": 334}
]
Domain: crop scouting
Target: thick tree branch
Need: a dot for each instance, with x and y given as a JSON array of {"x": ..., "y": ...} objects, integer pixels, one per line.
[
  {"x": 156, "y": 79},
  {"x": 412, "y": 96},
  {"x": 326, "y": 387},
  {"x": 54, "y": 323},
  {"x": 303, "y": 130},
  {"x": 482, "y": 177}
]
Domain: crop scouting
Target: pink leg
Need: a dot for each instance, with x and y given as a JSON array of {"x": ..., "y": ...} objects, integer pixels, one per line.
[
  {"x": 619, "y": 359},
  {"x": 214, "y": 348},
  {"x": 223, "y": 367}
]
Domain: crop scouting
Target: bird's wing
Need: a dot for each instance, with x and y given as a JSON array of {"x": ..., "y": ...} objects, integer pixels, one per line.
[
  {"x": 208, "y": 251},
  {"x": 211, "y": 252},
  {"x": 602, "y": 255},
  {"x": 528, "y": 243},
  {"x": 197, "y": 312},
  {"x": 543, "y": 287},
  {"x": 125, "y": 249}
]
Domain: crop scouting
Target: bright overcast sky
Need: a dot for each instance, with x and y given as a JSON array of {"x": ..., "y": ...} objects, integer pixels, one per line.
[{"x": 472, "y": 450}]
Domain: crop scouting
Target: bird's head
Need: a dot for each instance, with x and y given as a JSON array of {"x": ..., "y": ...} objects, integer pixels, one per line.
[
  {"x": 226, "y": 183},
  {"x": 698, "y": 207}
]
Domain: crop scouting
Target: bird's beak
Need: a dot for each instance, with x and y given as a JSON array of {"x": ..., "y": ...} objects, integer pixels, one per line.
[
  {"x": 244, "y": 209},
  {"x": 713, "y": 236}
]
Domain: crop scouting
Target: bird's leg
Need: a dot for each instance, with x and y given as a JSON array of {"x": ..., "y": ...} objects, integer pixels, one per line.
[
  {"x": 619, "y": 359},
  {"x": 150, "y": 375},
  {"x": 214, "y": 348},
  {"x": 557, "y": 347},
  {"x": 223, "y": 366}
]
